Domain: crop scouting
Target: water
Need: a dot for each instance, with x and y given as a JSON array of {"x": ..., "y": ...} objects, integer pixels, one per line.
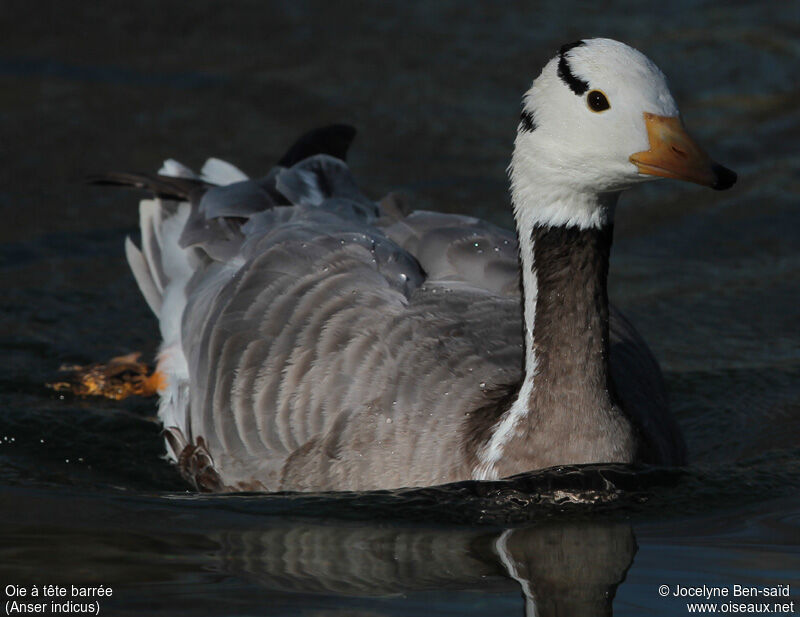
[{"x": 711, "y": 279}]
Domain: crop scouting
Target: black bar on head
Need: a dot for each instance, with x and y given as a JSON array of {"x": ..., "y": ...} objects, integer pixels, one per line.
[
  {"x": 527, "y": 121},
  {"x": 578, "y": 86}
]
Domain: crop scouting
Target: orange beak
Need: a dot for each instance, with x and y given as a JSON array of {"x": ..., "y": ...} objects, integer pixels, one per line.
[{"x": 673, "y": 154}]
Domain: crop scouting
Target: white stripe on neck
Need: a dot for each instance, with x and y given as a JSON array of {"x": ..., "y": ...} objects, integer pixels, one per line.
[
  {"x": 509, "y": 563},
  {"x": 535, "y": 206}
]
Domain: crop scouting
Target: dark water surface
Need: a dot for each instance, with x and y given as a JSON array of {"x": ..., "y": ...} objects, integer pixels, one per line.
[{"x": 711, "y": 279}]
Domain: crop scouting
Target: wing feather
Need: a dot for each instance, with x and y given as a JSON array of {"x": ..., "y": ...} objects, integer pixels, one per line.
[{"x": 315, "y": 325}]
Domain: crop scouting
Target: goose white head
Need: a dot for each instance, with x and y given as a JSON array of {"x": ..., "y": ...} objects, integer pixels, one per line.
[{"x": 599, "y": 119}]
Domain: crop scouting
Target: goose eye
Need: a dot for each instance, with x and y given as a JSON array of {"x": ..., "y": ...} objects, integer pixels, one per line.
[{"x": 597, "y": 101}]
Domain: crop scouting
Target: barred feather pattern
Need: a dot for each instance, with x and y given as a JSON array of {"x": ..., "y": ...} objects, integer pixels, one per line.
[{"x": 316, "y": 341}]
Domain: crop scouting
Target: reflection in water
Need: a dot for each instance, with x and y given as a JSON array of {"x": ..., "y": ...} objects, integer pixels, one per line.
[
  {"x": 293, "y": 565},
  {"x": 570, "y": 568}
]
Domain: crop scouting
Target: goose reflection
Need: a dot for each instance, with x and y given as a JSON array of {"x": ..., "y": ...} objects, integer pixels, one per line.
[{"x": 561, "y": 568}]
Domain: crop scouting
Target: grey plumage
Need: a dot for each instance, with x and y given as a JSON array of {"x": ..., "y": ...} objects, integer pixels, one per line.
[
  {"x": 330, "y": 340},
  {"x": 333, "y": 344},
  {"x": 315, "y": 340}
]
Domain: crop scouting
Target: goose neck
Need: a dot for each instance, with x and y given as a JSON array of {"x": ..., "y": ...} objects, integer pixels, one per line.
[
  {"x": 564, "y": 398},
  {"x": 564, "y": 285},
  {"x": 568, "y": 348}
]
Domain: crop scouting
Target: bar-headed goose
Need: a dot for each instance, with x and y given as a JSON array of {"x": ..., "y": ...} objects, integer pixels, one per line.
[{"x": 315, "y": 340}]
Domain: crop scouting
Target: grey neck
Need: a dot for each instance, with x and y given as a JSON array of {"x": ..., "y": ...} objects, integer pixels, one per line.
[
  {"x": 570, "y": 332},
  {"x": 563, "y": 411},
  {"x": 564, "y": 262}
]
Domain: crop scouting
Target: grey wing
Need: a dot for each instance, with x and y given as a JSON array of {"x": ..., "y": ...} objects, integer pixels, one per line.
[
  {"x": 460, "y": 249},
  {"x": 323, "y": 340},
  {"x": 320, "y": 324},
  {"x": 321, "y": 332}
]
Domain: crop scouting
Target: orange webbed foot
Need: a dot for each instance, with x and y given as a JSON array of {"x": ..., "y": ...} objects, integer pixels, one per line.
[{"x": 118, "y": 379}]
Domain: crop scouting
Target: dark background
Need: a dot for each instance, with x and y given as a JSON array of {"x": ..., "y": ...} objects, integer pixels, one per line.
[{"x": 711, "y": 279}]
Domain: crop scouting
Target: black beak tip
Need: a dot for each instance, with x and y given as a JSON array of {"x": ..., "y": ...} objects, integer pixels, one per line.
[{"x": 725, "y": 178}]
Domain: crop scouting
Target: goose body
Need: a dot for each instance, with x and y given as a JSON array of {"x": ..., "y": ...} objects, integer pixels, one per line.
[{"x": 316, "y": 340}]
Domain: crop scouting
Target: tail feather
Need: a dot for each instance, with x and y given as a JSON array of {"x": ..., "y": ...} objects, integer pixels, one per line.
[
  {"x": 161, "y": 267},
  {"x": 166, "y": 187},
  {"x": 197, "y": 219},
  {"x": 220, "y": 202},
  {"x": 149, "y": 224},
  {"x": 141, "y": 272}
]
